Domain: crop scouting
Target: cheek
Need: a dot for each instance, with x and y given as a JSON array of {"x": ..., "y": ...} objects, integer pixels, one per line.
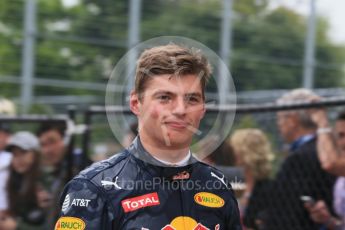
[
  {"x": 61, "y": 144},
  {"x": 30, "y": 160},
  {"x": 15, "y": 163},
  {"x": 19, "y": 165},
  {"x": 155, "y": 112},
  {"x": 341, "y": 142}
]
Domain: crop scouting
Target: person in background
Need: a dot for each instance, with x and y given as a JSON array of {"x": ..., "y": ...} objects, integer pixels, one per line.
[
  {"x": 301, "y": 173},
  {"x": 5, "y": 161},
  {"x": 253, "y": 152},
  {"x": 223, "y": 155},
  {"x": 23, "y": 211},
  {"x": 54, "y": 166},
  {"x": 53, "y": 147},
  {"x": 331, "y": 152}
]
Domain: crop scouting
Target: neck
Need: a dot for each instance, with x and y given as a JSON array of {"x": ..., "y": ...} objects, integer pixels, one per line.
[{"x": 165, "y": 153}]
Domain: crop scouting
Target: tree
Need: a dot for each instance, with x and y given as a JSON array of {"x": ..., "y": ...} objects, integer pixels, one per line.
[
  {"x": 82, "y": 43},
  {"x": 269, "y": 53}
]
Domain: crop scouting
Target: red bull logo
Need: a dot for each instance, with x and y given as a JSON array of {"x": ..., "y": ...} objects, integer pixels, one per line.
[
  {"x": 181, "y": 176},
  {"x": 184, "y": 223}
]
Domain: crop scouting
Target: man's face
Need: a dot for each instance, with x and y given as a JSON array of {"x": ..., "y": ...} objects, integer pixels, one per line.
[
  {"x": 285, "y": 123},
  {"x": 170, "y": 110},
  {"x": 52, "y": 147},
  {"x": 340, "y": 135}
]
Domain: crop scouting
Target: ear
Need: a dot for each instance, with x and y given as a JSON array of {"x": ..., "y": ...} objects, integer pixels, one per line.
[{"x": 134, "y": 103}]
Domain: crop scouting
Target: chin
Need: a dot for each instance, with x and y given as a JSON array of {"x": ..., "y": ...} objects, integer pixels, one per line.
[{"x": 180, "y": 142}]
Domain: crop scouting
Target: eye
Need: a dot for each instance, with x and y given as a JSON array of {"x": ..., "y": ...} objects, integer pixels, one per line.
[
  {"x": 163, "y": 98},
  {"x": 192, "y": 99}
]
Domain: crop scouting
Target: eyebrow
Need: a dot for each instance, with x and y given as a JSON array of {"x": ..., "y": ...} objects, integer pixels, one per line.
[
  {"x": 194, "y": 95},
  {"x": 171, "y": 93},
  {"x": 162, "y": 92}
]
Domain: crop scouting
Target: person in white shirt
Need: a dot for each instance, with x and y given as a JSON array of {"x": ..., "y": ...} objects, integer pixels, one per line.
[{"x": 5, "y": 160}]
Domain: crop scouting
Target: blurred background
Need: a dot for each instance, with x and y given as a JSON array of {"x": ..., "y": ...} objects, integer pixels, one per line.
[
  {"x": 56, "y": 57},
  {"x": 61, "y": 52}
]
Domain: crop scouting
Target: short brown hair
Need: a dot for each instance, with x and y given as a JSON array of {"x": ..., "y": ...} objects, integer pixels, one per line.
[{"x": 170, "y": 59}]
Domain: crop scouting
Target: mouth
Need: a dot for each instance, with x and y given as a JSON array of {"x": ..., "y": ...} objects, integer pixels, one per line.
[{"x": 177, "y": 124}]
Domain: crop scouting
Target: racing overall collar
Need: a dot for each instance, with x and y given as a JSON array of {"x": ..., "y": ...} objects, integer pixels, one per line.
[{"x": 157, "y": 168}]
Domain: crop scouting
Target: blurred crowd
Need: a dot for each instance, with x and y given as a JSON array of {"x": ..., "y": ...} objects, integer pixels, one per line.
[
  {"x": 33, "y": 171},
  {"x": 306, "y": 192}
]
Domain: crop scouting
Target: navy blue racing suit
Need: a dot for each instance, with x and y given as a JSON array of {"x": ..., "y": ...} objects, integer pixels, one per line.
[{"x": 132, "y": 190}]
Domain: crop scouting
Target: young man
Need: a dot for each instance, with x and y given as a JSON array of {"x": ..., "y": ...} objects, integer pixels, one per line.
[
  {"x": 5, "y": 161},
  {"x": 54, "y": 167},
  {"x": 156, "y": 183}
]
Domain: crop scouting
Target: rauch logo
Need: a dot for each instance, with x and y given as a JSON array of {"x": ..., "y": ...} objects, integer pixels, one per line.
[
  {"x": 209, "y": 200},
  {"x": 70, "y": 223}
]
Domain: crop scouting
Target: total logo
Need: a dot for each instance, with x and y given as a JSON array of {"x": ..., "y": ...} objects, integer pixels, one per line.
[
  {"x": 186, "y": 223},
  {"x": 132, "y": 204},
  {"x": 70, "y": 223}
]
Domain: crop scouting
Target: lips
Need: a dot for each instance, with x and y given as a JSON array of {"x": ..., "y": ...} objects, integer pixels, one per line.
[{"x": 177, "y": 124}]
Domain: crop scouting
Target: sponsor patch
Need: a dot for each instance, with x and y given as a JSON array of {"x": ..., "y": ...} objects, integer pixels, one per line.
[
  {"x": 70, "y": 223},
  {"x": 80, "y": 202},
  {"x": 209, "y": 200},
  {"x": 221, "y": 179},
  {"x": 75, "y": 202},
  {"x": 66, "y": 203},
  {"x": 108, "y": 184},
  {"x": 184, "y": 222},
  {"x": 181, "y": 176},
  {"x": 135, "y": 203}
]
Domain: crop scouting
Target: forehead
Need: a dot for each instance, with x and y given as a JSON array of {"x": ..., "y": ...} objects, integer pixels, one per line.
[
  {"x": 16, "y": 150},
  {"x": 53, "y": 133},
  {"x": 174, "y": 84}
]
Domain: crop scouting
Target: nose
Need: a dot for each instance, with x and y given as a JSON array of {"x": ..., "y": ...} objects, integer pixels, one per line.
[{"x": 179, "y": 107}]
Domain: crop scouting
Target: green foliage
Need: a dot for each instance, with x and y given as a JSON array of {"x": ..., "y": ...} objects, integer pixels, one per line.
[
  {"x": 41, "y": 109},
  {"x": 245, "y": 122},
  {"x": 82, "y": 43}
]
